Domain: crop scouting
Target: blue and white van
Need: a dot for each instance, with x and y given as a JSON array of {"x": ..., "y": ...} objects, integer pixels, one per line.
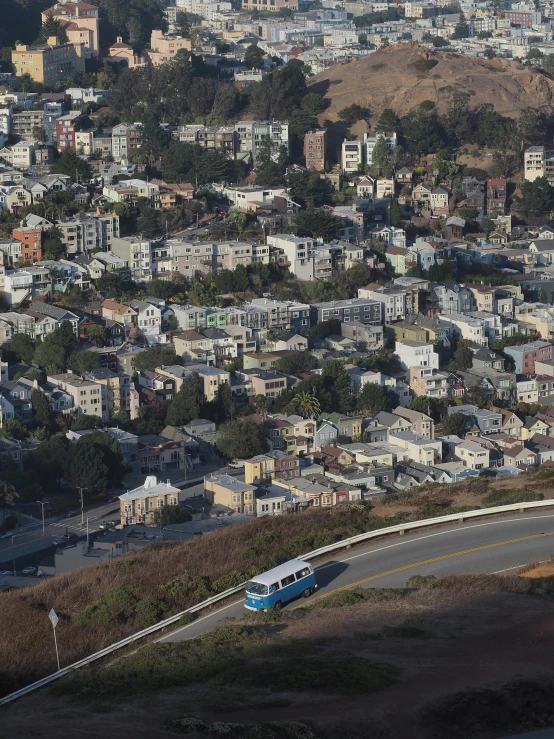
[{"x": 274, "y": 588}]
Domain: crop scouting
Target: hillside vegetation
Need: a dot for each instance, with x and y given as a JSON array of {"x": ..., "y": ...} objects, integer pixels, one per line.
[
  {"x": 100, "y": 604},
  {"x": 427, "y": 661},
  {"x": 404, "y": 75}
]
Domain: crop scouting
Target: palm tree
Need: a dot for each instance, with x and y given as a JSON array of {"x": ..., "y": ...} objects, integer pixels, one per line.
[{"x": 307, "y": 404}]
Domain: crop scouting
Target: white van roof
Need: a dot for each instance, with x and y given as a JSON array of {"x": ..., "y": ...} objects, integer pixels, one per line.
[{"x": 278, "y": 573}]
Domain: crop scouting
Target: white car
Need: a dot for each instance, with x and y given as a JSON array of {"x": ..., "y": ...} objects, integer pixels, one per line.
[
  {"x": 6, "y": 573},
  {"x": 6, "y": 535},
  {"x": 29, "y": 571}
]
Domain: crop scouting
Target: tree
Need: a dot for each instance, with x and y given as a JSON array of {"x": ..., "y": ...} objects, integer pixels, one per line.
[
  {"x": 84, "y": 468},
  {"x": 111, "y": 454},
  {"x": 461, "y": 30},
  {"x": 381, "y": 157},
  {"x": 462, "y": 358},
  {"x": 52, "y": 27},
  {"x": 84, "y": 361},
  {"x": 314, "y": 103},
  {"x": 270, "y": 164},
  {"x": 537, "y": 197},
  {"x": 323, "y": 329},
  {"x": 73, "y": 166},
  {"x": 261, "y": 403},
  {"x": 396, "y": 218},
  {"x": 354, "y": 113},
  {"x": 240, "y": 439},
  {"x": 23, "y": 347},
  {"x": 155, "y": 356},
  {"x": 316, "y": 222},
  {"x": 97, "y": 334},
  {"x": 420, "y": 404},
  {"x": 41, "y": 409},
  {"x": 388, "y": 121},
  {"x": 306, "y": 404},
  {"x": 86, "y": 421},
  {"x": 362, "y": 39},
  {"x": 454, "y": 424},
  {"x": 337, "y": 382},
  {"x": 223, "y": 403},
  {"x": 171, "y": 514},
  {"x": 296, "y": 362},
  {"x": 48, "y": 355},
  {"x": 254, "y": 57},
  {"x": 188, "y": 402},
  {"x": 373, "y": 399},
  {"x": 14, "y": 429}
]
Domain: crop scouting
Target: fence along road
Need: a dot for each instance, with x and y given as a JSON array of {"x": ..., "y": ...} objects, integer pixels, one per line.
[{"x": 474, "y": 547}]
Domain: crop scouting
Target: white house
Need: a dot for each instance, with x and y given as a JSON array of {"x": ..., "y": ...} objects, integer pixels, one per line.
[{"x": 416, "y": 354}]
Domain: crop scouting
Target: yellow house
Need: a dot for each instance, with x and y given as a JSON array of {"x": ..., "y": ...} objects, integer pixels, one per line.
[
  {"x": 227, "y": 491},
  {"x": 259, "y": 469},
  {"x": 533, "y": 426}
]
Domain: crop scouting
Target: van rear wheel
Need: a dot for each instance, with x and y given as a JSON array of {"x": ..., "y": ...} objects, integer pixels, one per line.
[
  {"x": 307, "y": 593},
  {"x": 277, "y": 606}
]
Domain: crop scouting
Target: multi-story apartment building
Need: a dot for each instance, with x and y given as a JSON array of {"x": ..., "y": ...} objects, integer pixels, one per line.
[
  {"x": 298, "y": 252},
  {"x": 80, "y": 21},
  {"x": 213, "y": 138},
  {"x": 315, "y": 149},
  {"x": 264, "y": 313},
  {"x": 50, "y": 62},
  {"x": 126, "y": 141},
  {"x": 392, "y": 297},
  {"x": 497, "y": 192},
  {"x": 31, "y": 243},
  {"x": 89, "y": 397},
  {"x": 265, "y": 467},
  {"x": 66, "y": 128},
  {"x": 212, "y": 377},
  {"x": 391, "y": 139},
  {"x": 466, "y": 327},
  {"x": 526, "y": 355},
  {"x": 253, "y": 134},
  {"x": 416, "y": 354},
  {"x": 363, "y": 310},
  {"x": 428, "y": 382},
  {"x": 227, "y": 491},
  {"x": 121, "y": 394},
  {"x": 5, "y": 121},
  {"x": 139, "y": 505},
  {"x": 52, "y": 111},
  {"x": 352, "y": 157},
  {"x": 28, "y": 124},
  {"x": 538, "y": 162},
  {"x": 87, "y": 232},
  {"x": 137, "y": 252},
  {"x": 164, "y": 46}
]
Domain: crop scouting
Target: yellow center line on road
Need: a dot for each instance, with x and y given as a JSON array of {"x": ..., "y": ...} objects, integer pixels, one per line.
[{"x": 426, "y": 562}]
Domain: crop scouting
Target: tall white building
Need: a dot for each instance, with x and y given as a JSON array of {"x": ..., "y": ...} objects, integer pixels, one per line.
[
  {"x": 299, "y": 253},
  {"x": 416, "y": 354},
  {"x": 252, "y": 135}
]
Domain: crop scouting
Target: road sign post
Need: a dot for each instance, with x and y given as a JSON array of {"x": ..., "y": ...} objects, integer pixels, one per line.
[{"x": 53, "y": 616}]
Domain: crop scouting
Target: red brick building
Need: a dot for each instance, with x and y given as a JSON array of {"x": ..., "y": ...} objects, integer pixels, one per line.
[
  {"x": 315, "y": 149},
  {"x": 66, "y": 128}
]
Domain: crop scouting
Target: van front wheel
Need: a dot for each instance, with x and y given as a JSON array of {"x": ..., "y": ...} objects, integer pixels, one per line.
[
  {"x": 277, "y": 606},
  {"x": 307, "y": 593}
]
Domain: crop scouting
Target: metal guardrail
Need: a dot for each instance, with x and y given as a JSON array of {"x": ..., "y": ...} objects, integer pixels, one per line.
[{"x": 344, "y": 543}]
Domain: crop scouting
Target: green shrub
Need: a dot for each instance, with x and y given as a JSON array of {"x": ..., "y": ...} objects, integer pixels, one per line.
[
  {"x": 422, "y": 581},
  {"x": 353, "y": 597},
  {"x": 230, "y": 580},
  {"x": 508, "y": 497},
  {"x": 427, "y": 105},
  {"x": 149, "y": 611},
  {"x": 430, "y": 63},
  {"x": 186, "y": 584}
]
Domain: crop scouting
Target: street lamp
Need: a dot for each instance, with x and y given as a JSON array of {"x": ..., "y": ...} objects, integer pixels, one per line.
[
  {"x": 43, "y": 503},
  {"x": 82, "y": 506}
]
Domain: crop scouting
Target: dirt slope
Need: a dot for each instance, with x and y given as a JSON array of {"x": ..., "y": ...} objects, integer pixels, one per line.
[{"x": 398, "y": 77}]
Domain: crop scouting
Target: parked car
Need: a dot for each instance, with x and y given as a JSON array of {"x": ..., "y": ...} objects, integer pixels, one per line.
[
  {"x": 70, "y": 536},
  {"x": 104, "y": 525},
  {"x": 57, "y": 541},
  {"x": 29, "y": 571},
  {"x": 6, "y": 535},
  {"x": 6, "y": 573}
]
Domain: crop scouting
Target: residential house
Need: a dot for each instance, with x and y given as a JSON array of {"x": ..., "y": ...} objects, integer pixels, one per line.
[
  {"x": 428, "y": 382},
  {"x": 525, "y": 355},
  {"x": 265, "y": 467},
  {"x": 412, "y": 354},
  {"x": 422, "y": 424},
  {"x": 140, "y": 504},
  {"x": 224, "y": 490}
]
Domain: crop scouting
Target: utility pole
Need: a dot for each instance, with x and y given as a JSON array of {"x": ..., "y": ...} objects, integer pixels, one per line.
[
  {"x": 82, "y": 506},
  {"x": 42, "y": 503}
]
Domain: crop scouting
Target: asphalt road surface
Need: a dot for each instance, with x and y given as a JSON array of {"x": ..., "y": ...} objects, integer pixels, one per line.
[{"x": 487, "y": 546}]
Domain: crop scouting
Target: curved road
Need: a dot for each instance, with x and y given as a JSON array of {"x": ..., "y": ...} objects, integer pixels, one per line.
[{"x": 485, "y": 546}]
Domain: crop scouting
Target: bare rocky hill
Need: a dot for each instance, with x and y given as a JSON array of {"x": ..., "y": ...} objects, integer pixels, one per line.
[{"x": 404, "y": 75}]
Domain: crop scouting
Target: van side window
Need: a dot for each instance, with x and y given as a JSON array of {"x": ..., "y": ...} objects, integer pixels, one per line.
[
  {"x": 273, "y": 588},
  {"x": 287, "y": 581},
  {"x": 302, "y": 573}
]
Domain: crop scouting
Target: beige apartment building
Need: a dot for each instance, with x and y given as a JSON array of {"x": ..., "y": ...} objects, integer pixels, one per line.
[
  {"x": 272, "y": 6},
  {"x": 88, "y": 396},
  {"x": 79, "y": 20},
  {"x": 164, "y": 47},
  {"x": 227, "y": 491},
  {"x": 121, "y": 394},
  {"x": 139, "y": 505},
  {"x": 212, "y": 377},
  {"x": 49, "y": 62}
]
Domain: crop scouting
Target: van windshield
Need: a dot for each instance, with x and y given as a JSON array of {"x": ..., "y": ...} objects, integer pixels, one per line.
[{"x": 256, "y": 588}]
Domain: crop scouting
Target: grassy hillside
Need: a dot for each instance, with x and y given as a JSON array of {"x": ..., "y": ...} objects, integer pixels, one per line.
[
  {"x": 100, "y": 604},
  {"x": 404, "y": 75},
  {"x": 429, "y": 661}
]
